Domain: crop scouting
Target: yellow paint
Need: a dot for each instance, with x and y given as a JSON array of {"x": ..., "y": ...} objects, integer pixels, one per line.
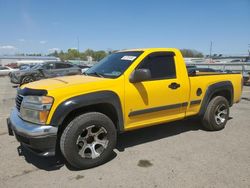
[{"x": 139, "y": 96}]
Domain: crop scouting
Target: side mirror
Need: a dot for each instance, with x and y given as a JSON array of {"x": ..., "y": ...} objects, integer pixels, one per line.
[{"x": 140, "y": 75}]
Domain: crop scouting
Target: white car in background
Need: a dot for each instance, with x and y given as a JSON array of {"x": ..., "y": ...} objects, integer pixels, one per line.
[{"x": 4, "y": 70}]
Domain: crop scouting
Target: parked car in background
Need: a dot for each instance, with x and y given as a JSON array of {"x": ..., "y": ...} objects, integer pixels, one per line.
[
  {"x": 84, "y": 68},
  {"x": 192, "y": 69},
  {"x": 246, "y": 78},
  {"x": 12, "y": 65},
  {"x": 4, "y": 70},
  {"x": 26, "y": 66},
  {"x": 44, "y": 70}
]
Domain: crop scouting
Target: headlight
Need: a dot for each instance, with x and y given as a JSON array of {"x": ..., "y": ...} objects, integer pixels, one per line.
[{"x": 36, "y": 108}]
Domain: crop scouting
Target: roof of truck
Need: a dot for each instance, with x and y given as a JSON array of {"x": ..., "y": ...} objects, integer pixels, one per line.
[{"x": 149, "y": 49}]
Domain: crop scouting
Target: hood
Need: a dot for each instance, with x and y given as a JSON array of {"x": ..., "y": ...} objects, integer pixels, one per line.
[{"x": 62, "y": 82}]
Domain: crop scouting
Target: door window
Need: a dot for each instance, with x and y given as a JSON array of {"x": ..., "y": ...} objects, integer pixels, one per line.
[
  {"x": 63, "y": 66},
  {"x": 48, "y": 66},
  {"x": 4, "y": 68},
  {"x": 160, "y": 64}
]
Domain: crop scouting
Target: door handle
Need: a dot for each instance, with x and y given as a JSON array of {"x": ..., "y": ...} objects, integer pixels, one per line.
[{"x": 174, "y": 85}]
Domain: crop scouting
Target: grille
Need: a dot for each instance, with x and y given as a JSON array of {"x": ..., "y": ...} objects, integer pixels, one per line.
[{"x": 19, "y": 100}]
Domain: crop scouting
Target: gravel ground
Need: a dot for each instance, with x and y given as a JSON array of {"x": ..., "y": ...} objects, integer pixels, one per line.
[{"x": 178, "y": 154}]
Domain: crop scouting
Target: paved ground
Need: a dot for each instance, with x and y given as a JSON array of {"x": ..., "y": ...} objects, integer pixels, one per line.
[{"x": 172, "y": 155}]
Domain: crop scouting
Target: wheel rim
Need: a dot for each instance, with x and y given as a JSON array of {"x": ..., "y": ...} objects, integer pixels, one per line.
[
  {"x": 221, "y": 114},
  {"x": 92, "y": 142},
  {"x": 27, "y": 80}
]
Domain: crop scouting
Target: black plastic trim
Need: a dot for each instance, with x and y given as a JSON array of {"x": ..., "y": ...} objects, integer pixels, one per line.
[
  {"x": 9, "y": 127},
  {"x": 184, "y": 104},
  {"x": 27, "y": 91},
  {"x": 214, "y": 88},
  {"x": 195, "y": 102},
  {"x": 156, "y": 109},
  {"x": 214, "y": 74},
  {"x": 95, "y": 98}
]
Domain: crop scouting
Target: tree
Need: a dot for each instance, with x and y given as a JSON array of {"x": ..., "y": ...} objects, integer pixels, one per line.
[
  {"x": 72, "y": 54},
  {"x": 83, "y": 56},
  {"x": 61, "y": 55},
  {"x": 89, "y": 52},
  {"x": 191, "y": 53},
  {"x": 55, "y": 54},
  {"x": 98, "y": 55}
]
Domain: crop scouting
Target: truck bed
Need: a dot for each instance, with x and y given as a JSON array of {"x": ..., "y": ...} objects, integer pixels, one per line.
[{"x": 202, "y": 80}]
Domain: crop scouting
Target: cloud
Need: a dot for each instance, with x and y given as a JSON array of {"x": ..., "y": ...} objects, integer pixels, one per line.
[
  {"x": 54, "y": 49},
  {"x": 8, "y": 47},
  {"x": 43, "y": 42},
  {"x": 21, "y": 40}
]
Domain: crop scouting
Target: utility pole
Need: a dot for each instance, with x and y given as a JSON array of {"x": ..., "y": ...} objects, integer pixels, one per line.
[
  {"x": 78, "y": 44},
  {"x": 249, "y": 50},
  {"x": 210, "y": 51}
]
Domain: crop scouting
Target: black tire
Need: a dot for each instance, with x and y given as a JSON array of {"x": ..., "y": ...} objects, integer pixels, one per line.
[
  {"x": 27, "y": 79},
  {"x": 209, "y": 120},
  {"x": 74, "y": 130}
]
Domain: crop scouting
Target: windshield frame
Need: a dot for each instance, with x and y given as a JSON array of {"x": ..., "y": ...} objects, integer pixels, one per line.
[{"x": 99, "y": 74}]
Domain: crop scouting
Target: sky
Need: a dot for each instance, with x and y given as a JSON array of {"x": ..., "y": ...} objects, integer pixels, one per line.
[{"x": 30, "y": 26}]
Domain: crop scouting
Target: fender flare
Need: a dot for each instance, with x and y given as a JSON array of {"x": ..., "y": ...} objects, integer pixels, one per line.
[
  {"x": 214, "y": 88},
  {"x": 95, "y": 98}
]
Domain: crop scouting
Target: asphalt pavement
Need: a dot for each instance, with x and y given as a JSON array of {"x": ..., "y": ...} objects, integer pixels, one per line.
[{"x": 179, "y": 154}]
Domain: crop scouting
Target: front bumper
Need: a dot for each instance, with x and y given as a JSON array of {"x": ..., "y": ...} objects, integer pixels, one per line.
[{"x": 39, "y": 138}]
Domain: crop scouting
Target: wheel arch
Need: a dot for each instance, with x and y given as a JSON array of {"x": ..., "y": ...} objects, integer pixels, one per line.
[
  {"x": 224, "y": 89},
  {"x": 106, "y": 102}
]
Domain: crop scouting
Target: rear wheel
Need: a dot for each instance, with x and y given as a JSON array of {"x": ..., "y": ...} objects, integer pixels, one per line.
[
  {"x": 216, "y": 115},
  {"x": 88, "y": 140}
]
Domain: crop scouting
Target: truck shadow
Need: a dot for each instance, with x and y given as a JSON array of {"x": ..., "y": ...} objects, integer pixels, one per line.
[
  {"x": 125, "y": 140},
  {"x": 153, "y": 133}
]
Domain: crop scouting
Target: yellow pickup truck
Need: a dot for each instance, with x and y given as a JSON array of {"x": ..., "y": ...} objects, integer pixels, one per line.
[{"x": 80, "y": 116}]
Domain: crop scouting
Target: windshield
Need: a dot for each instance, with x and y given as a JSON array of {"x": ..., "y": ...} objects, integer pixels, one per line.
[
  {"x": 114, "y": 65},
  {"x": 36, "y": 66}
]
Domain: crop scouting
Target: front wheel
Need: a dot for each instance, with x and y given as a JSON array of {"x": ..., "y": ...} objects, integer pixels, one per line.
[
  {"x": 88, "y": 140},
  {"x": 27, "y": 79},
  {"x": 216, "y": 115}
]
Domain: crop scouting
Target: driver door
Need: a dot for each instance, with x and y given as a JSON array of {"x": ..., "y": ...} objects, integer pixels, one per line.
[{"x": 155, "y": 101}]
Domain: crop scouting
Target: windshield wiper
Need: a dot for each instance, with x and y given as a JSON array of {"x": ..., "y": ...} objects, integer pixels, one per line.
[{"x": 94, "y": 73}]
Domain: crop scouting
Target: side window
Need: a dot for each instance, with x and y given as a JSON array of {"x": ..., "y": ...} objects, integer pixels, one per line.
[
  {"x": 161, "y": 65},
  {"x": 48, "y": 66},
  {"x": 4, "y": 68},
  {"x": 63, "y": 66}
]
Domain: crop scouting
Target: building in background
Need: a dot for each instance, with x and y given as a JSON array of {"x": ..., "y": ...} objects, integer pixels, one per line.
[{"x": 18, "y": 60}]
